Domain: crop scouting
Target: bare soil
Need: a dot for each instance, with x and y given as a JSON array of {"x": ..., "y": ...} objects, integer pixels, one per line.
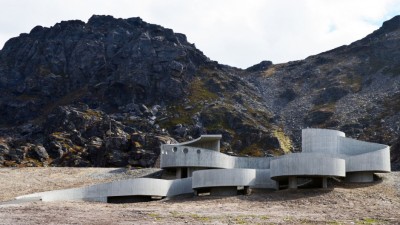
[{"x": 376, "y": 203}]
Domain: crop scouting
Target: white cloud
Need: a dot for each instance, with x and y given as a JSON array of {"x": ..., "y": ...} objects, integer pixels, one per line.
[{"x": 238, "y": 33}]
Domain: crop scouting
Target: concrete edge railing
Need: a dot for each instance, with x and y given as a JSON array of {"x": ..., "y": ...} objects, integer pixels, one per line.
[
  {"x": 350, "y": 146},
  {"x": 130, "y": 187},
  {"x": 232, "y": 177},
  {"x": 307, "y": 164},
  {"x": 207, "y": 141},
  {"x": 375, "y": 161},
  {"x": 175, "y": 156}
]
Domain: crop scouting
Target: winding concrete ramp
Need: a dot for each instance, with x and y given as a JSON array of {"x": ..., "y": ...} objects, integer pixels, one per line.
[{"x": 131, "y": 187}]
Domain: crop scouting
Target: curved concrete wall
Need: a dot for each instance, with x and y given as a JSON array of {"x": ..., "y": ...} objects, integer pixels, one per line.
[
  {"x": 320, "y": 140},
  {"x": 232, "y": 177},
  {"x": 376, "y": 161},
  {"x": 307, "y": 164},
  {"x": 186, "y": 156},
  {"x": 350, "y": 146},
  {"x": 173, "y": 156},
  {"x": 209, "y": 141},
  {"x": 359, "y": 155},
  {"x": 130, "y": 187}
]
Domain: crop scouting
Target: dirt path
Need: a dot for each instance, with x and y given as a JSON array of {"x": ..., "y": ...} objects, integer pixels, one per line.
[{"x": 377, "y": 203}]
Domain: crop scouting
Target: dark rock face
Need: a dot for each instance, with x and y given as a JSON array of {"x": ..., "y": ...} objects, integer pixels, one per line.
[
  {"x": 105, "y": 63},
  {"x": 352, "y": 88},
  {"x": 395, "y": 156},
  {"x": 108, "y": 92},
  {"x": 260, "y": 66}
]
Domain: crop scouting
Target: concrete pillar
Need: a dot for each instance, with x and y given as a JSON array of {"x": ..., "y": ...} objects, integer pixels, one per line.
[
  {"x": 292, "y": 182},
  {"x": 324, "y": 182},
  {"x": 360, "y": 177},
  {"x": 178, "y": 173},
  {"x": 247, "y": 190},
  {"x": 189, "y": 172},
  {"x": 277, "y": 185},
  {"x": 223, "y": 191}
]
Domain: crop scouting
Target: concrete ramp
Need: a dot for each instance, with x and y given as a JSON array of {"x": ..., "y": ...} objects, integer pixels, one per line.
[{"x": 132, "y": 187}]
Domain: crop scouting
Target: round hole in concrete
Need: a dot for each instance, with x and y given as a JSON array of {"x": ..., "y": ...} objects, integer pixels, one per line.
[
  {"x": 175, "y": 149},
  {"x": 198, "y": 151},
  {"x": 185, "y": 150}
]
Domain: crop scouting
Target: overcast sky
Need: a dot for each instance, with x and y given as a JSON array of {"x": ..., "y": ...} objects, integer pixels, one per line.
[{"x": 237, "y": 33}]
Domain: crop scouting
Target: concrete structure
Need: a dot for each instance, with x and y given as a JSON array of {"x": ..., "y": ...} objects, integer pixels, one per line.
[
  {"x": 140, "y": 187},
  {"x": 201, "y": 167},
  {"x": 328, "y": 153}
]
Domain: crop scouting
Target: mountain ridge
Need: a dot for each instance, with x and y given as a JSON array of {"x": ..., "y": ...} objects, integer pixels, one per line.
[{"x": 109, "y": 91}]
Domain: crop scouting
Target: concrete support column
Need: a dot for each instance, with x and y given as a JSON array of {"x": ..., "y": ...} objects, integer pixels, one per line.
[
  {"x": 223, "y": 191},
  {"x": 189, "y": 172},
  {"x": 247, "y": 190},
  {"x": 324, "y": 182},
  {"x": 360, "y": 177},
  {"x": 277, "y": 185},
  {"x": 292, "y": 182},
  {"x": 178, "y": 173}
]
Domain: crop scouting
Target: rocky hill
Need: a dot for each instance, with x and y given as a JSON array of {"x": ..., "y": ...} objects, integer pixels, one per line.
[
  {"x": 354, "y": 88},
  {"x": 109, "y": 91}
]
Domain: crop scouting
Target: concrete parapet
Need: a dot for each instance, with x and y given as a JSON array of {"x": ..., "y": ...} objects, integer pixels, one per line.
[
  {"x": 173, "y": 156},
  {"x": 130, "y": 187},
  {"x": 232, "y": 177},
  {"x": 307, "y": 164},
  {"x": 320, "y": 140},
  {"x": 376, "y": 161},
  {"x": 207, "y": 141},
  {"x": 185, "y": 156}
]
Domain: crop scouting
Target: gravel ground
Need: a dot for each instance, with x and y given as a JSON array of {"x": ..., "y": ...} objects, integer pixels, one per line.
[
  {"x": 377, "y": 203},
  {"x": 20, "y": 181}
]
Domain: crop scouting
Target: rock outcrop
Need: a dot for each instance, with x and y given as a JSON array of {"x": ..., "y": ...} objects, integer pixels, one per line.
[{"x": 109, "y": 91}]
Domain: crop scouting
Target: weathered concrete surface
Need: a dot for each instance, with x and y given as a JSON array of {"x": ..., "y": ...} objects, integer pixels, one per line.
[
  {"x": 232, "y": 177},
  {"x": 320, "y": 140},
  {"x": 186, "y": 156},
  {"x": 360, "y": 177},
  {"x": 329, "y": 153},
  {"x": 207, "y": 141},
  {"x": 307, "y": 164},
  {"x": 130, "y": 187}
]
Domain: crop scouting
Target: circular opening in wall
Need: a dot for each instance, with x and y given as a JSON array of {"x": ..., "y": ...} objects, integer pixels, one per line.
[
  {"x": 198, "y": 151},
  {"x": 175, "y": 149},
  {"x": 185, "y": 150}
]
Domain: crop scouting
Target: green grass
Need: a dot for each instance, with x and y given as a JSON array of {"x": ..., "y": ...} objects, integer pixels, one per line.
[
  {"x": 328, "y": 107},
  {"x": 90, "y": 113},
  {"x": 370, "y": 221},
  {"x": 284, "y": 141},
  {"x": 253, "y": 150},
  {"x": 353, "y": 81},
  {"x": 156, "y": 216},
  {"x": 264, "y": 217},
  {"x": 334, "y": 222},
  {"x": 200, "y": 218},
  {"x": 199, "y": 92}
]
